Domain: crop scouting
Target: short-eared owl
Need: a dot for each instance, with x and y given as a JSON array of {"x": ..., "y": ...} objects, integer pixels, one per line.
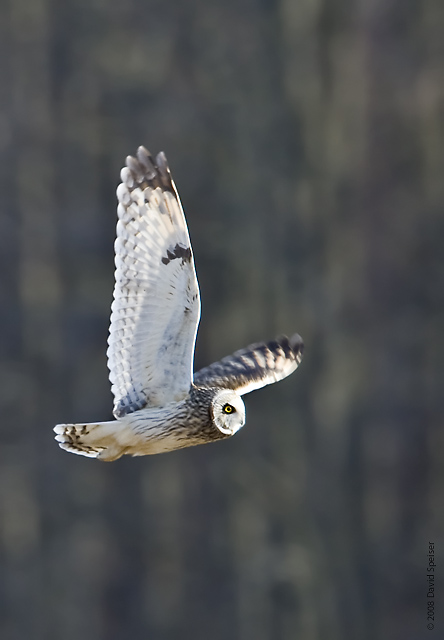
[{"x": 159, "y": 404}]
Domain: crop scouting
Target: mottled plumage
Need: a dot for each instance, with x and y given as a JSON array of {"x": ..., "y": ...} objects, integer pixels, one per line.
[{"x": 159, "y": 405}]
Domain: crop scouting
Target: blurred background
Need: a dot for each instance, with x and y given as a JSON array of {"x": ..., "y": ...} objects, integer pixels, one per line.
[{"x": 306, "y": 138}]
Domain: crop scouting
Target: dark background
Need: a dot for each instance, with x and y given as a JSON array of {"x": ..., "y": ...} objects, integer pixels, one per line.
[{"x": 306, "y": 138}]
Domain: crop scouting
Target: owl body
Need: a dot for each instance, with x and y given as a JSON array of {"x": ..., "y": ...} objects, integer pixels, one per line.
[
  {"x": 198, "y": 419},
  {"x": 160, "y": 404}
]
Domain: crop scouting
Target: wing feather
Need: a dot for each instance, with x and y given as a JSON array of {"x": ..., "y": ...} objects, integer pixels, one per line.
[
  {"x": 156, "y": 307},
  {"x": 254, "y": 367}
]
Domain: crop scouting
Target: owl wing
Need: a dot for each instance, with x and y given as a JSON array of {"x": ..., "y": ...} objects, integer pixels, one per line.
[
  {"x": 156, "y": 307},
  {"x": 254, "y": 367}
]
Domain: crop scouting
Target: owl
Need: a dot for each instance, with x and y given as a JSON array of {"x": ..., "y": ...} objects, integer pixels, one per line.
[{"x": 160, "y": 405}]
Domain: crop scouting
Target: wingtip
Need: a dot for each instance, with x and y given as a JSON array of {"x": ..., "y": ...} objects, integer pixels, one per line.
[
  {"x": 145, "y": 168},
  {"x": 296, "y": 342},
  {"x": 162, "y": 164},
  {"x": 143, "y": 151},
  {"x": 297, "y": 346}
]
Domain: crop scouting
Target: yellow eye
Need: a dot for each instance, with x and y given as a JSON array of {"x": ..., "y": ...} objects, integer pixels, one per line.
[{"x": 227, "y": 408}]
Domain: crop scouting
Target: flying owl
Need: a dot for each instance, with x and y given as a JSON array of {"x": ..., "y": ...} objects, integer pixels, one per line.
[{"x": 160, "y": 405}]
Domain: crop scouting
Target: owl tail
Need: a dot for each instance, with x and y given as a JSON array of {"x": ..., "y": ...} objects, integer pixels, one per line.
[{"x": 96, "y": 440}]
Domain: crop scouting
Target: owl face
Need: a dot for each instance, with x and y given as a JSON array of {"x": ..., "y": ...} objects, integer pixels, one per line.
[{"x": 228, "y": 412}]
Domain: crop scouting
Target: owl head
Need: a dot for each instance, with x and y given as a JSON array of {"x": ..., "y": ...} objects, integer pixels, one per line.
[{"x": 227, "y": 411}]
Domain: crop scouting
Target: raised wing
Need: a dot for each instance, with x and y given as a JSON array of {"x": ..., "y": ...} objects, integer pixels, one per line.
[
  {"x": 156, "y": 306},
  {"x": 254, "y": 367}
]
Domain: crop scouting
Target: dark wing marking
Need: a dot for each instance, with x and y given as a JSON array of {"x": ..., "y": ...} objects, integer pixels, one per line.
[{"x": 254, "y": 367}]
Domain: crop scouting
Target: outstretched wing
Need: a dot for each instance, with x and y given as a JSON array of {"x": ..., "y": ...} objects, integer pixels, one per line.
[
  {"x": 254, "y": 367},
  {"x": 156, "y": 306}
]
